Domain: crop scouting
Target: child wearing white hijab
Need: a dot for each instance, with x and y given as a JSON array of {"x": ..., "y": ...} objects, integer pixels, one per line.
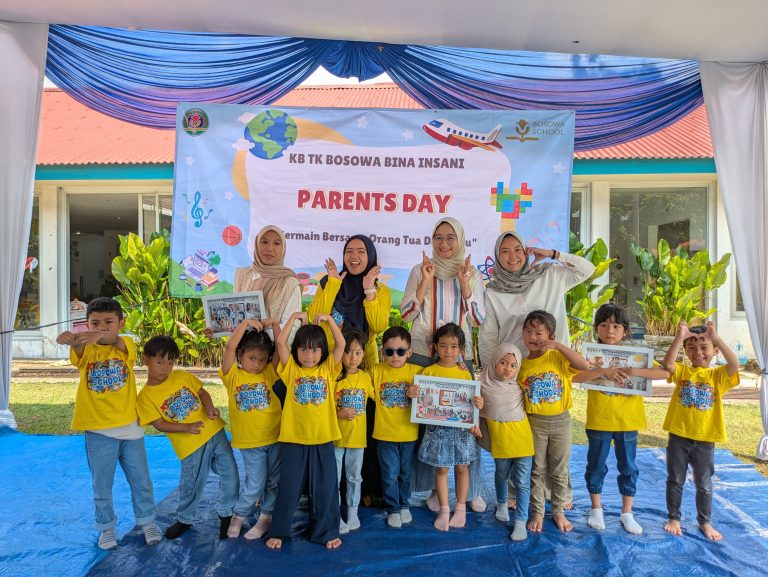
[{"x": 509, "y": 432}]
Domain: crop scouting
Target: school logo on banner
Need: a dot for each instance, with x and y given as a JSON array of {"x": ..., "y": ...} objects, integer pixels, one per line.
[{"x": 323, "y": 175}]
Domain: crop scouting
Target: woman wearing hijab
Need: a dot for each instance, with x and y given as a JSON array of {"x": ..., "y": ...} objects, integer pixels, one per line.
[
  {"x": 282, "y": 291},
  {"x": 519, "y": 286},
  {"x": 355, "y": 297},
  {"x": 444, "y": 289}
]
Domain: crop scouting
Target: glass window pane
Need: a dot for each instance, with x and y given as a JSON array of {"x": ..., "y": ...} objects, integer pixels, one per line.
[
  {"x": 166, "y": 211},
  {"x": 644, "y": 216},
  {"x": 148, "y": 215},
  {"x": 28, "y": 313},
  {"x": 576, "y": 213}
]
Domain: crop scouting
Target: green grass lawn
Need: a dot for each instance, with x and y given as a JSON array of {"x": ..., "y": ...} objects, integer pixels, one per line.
[{"x": 46, "y": 408}]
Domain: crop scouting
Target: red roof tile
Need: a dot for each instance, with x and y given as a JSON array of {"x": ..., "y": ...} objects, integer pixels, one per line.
[{"x": 71, "y": 133}]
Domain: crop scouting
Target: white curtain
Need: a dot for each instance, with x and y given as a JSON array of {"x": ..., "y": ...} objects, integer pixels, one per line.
[
  {"x": 22, "y": 62},
  {"x": 735, "y": 96}
]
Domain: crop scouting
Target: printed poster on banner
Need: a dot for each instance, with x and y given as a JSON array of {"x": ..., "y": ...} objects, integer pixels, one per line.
[
  {"x": 224, "y": 313},
  {"x": 607, "y": 356},
  {"x": 445, "y": 402},
  {"x": 323, "y": 175}
]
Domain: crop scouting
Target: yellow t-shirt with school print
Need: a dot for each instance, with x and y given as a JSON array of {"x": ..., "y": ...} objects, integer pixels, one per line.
[
  {"x": 696, "y": 408},
  {"x": 254, "y": 409},
  {"x": 615, "y": 412},
  {"x": 309, "y": 411},
  {"x": 353, "y": 392},
  {"x": 547, "y": 382},
  {"x": 175, "y": 400},
  {"x": 106, "y": 395},
  {"x": 393, "y": 407}
]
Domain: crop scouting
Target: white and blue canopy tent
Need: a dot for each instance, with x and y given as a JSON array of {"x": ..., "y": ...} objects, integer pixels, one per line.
[{"x": 446, "y": 54}]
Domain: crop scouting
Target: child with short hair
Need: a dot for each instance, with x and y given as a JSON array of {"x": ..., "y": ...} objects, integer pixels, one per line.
[
  {"x": 695, "y": 419},
  {"x": 545, "y": 376},
  {"x": 511, "y": 440},
  {"x": 255, "y": 409},
  {"x": 443, "y": 447},
  {"x": 613, "y": 417},
  {"x": 308, "y": 429},
  {"x": 393, "y": 429},
  {"x": 105, "y": 408},
  {"x": 175, "y": 403},
  {"x": 353, "y": 389}
]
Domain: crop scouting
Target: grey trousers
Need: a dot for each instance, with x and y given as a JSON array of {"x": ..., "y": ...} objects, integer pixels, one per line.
[{"x": 681, "y": 452}]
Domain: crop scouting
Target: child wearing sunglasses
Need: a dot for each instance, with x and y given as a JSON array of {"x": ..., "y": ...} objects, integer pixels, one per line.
[{"x": 392, "y": 428}]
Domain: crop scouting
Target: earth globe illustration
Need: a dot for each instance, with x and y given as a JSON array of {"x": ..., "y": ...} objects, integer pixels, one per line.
[{"x": 271, "y": 132}]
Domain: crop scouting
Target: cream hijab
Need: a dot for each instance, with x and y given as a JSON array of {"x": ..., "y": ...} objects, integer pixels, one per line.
[
  {"x": 277, "y": 281},
  {"x": 448, "y": 268},
  {"x": 515, "y": 282},
  {"x": 503, "y": 399}
]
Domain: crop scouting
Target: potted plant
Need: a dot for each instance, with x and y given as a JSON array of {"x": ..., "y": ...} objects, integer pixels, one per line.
[{"x": 676, "y": 287}]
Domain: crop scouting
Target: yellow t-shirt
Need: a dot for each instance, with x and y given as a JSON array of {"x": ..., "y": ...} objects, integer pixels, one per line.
[
  {"x": 614, "y": 412},
  {"x": 547, "y": 384},
  {"x": 696, "y": 408},
  {"x": 175, "y": 400},
  {"x": 106, "y": 395},
  {"x": 453, "y": 372},
  {"x": 309, "y": 412},
  {"x": 393, "y": 407},
  {"x": 510, "y": 440},
  {"x": 254, "y": 409},
  {"x": 354, "y": 392}
]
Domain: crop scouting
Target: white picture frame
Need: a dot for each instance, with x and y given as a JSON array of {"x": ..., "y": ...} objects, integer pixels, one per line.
[
  {"x": 603, "y": 356},
  {"x": 445, "y": 402},
  {"x": 223, "y": 313}
]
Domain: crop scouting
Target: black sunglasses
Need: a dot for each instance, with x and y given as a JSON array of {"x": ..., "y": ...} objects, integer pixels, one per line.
[{"x": 401, "y": 352}]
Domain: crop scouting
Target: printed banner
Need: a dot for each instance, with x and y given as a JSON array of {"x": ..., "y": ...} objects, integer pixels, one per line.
[{"x": 325, "y": 174}]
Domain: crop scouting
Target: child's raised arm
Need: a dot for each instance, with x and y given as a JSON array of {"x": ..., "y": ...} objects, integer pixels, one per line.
[
  {"x": 281, "y": 340},
  {"x": 669, "y": 359},
  {"x": 230, "y": 351},
  {"x": 340, "y": 342},
  {"x": 731, "y": 360},
  {"x": 575, "y": 359},
  {"x": 275, "y": 324}
]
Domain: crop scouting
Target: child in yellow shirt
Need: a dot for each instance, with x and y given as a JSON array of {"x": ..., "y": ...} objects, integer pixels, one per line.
[
  {"x": 695, "y": 419},
  {"x": 105, "y": 408},
  {"x": 353, "y": 389},
  {"x": 545, "y": 376},
  {"x": 248, "y": 372},
  {"x": 175, "y": 403}
]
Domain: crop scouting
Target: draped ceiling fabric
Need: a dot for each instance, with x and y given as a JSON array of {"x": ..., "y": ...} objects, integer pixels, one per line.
[
  {"x": 138, "y": 76},
  {"x": 737, "y": 107},
  {"x": 22, "y": 58}
]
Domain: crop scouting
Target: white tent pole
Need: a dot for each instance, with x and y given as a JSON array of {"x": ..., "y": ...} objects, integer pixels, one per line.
[
  {"x": 736, "y": 98},
  {"x": 23, "y": 50}
]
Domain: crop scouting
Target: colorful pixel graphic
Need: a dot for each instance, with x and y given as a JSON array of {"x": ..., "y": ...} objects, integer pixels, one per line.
[{"x": 511, "y": 205}]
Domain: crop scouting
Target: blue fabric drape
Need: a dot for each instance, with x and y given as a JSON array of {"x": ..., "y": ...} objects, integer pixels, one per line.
[{"x": 139, "y": 76}]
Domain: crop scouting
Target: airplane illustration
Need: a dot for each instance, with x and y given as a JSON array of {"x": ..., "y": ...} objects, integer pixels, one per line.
[{"x": 454, "y": 135}]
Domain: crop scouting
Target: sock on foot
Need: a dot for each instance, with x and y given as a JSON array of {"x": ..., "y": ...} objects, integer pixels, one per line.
[
  {"x": 502, "y": 512},
  {"x": 595, "y": 519},
  {"x": 152, "y": 533},
  {"x": 353, "y": 522},
  {"x": 233, "y": 532},
  {"x": 394, "y": 521},
  {"x": 176, "y": 530},
  {"x": 432, "y": 503},
  {"x": 224, "y": 526},
  {"x": 405, "y": 516},
  {"x": 343, "y": 527},
  {"x": 630, "y": 525},
  {"x": 107, "y": 539},
  {"x": 477, "y": 505},
  {"x": 261, "y": 527},
  {"x": 519, "y": 533},
  {"x": 459, "y": 518},
  {"x": 443, "y": 518}
]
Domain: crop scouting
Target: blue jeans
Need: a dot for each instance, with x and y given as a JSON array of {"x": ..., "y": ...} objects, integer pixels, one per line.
[
  {"x": 103, "y": 455},
  {"x": 353, "y": 466},
  {"x": 520, "y": 470},
  {"x": 625, "y": 448},
  {"x": 215, "y": 455},
  {"x": 262, "y": 474},
  {"x": 396, "y": 460}
]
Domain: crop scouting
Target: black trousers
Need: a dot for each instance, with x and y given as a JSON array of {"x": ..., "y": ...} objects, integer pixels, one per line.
[
  {"x": 313, "y": 467},
  {"x": 681, "y": 452}
]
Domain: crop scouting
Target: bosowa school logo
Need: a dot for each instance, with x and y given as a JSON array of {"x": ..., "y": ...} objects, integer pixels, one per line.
[
  {"x": 522, "y": 129},
  {"x": 195, "y": 121}
]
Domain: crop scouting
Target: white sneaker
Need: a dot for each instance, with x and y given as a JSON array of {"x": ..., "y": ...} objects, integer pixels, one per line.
[{"x": 108, "y": 540}]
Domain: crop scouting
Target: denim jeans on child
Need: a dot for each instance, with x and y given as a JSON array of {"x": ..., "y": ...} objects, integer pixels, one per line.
[
  {"x": 681, "y": 452},
  {"x": 262, "y": 474},
  {"x": 519, "y": 469},
  {"x": 103, "y": 455},
  {"x": 216, "y": 455},
  {"x": 353, "y": 466},
  {"x": 396, "y": 460},
  {"x": 625, "y": 448}
]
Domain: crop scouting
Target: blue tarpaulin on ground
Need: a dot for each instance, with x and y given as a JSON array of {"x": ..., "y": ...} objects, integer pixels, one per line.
[{"x": 47, "y": 523}]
